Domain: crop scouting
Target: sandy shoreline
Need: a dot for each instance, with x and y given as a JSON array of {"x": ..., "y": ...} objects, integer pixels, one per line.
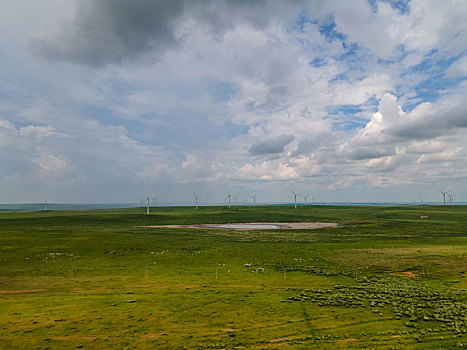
[{"x": 280, "y": 225}]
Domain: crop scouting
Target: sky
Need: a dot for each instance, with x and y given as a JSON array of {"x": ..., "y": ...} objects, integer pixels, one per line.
[{"x": 354, "y": 100}]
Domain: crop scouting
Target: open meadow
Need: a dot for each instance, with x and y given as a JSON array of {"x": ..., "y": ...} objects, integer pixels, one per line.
[{"x": 383, "y": 278}]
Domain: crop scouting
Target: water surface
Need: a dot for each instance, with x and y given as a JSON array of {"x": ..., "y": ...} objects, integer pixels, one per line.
[{"x": 248, "y": 226}]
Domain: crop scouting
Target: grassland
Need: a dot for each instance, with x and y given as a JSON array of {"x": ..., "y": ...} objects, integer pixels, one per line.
[{"x": 101, "y": 280}]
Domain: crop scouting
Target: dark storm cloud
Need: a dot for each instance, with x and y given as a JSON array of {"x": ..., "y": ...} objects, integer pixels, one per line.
[
  {"x": 271, "y": 146},
  {"x": 110, "y": 31}
]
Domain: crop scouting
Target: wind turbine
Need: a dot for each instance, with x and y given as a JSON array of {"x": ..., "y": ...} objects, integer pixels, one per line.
[
  {"x": 229, "y": 196},
  {"x": 254, "y": 199},
  {"x": 305, "y": 196},
  {"x": 444, "y": 196},
  {"x": 451, "y": 196},
  {"x": 196, "y": 200},
  {"x": 235, "y": 197},
  {"x": 295, "y": 198},
  {"x": 148, "y": 199},
  {"x": 45, "y": 205}
]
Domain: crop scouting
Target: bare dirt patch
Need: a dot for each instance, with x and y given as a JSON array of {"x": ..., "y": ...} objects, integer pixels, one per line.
[
  {"x": 281, "y": 225},
  {"x": 405, "y": 274},
  {"x": 349, "y": 339}
]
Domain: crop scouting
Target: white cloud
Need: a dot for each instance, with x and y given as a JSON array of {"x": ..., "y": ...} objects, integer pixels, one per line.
[
  {"x": 389, "y": 113},
  {"x": 358, "y": 92},
  {"x": 458, "y": 68},
  {"x": 266, "y": 171},
  {"x": 38, "y": 131},
  {"x": 7, "y": 126},
  {"x": 426, "y": 146},
  {"x": 373, "y": 31},
  {"x": 50, "y": 163},
  {"x": 440, "y": 157}
]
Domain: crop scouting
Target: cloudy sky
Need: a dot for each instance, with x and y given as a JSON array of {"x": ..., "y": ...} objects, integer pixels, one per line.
[{"x": 347, "y": 100}]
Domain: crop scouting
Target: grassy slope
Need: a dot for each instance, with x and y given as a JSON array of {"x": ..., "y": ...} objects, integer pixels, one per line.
[{"x": 82, "y": 279}]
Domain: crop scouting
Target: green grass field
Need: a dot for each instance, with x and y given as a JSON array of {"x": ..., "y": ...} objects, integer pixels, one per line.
[{"x": 385, "y": 278}]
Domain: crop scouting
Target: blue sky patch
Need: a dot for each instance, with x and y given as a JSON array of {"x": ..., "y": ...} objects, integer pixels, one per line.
[
  {"x": 318, "y": 62},
  {"x": 329, "y": 30}
]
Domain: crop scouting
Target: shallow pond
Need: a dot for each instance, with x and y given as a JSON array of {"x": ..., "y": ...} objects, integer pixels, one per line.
[{"x": 248, "y": 226}]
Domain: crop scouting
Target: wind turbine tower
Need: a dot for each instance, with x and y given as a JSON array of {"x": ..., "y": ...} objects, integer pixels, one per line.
[
  {"x": 196, "y": 200},
  {"x": 254, "y": 199},
  {"x": 229, "y": 197},
  {"x": 444, "y": 196},
  {"x": 149, "y": 199},
  {"x": 45, "y": 205},
  {"x": 295, "y": 198},
  {"x": 451, "y": 196}
]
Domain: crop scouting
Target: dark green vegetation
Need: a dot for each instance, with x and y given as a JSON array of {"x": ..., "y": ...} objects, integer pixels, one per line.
[{"x": 101, "y": 280}]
